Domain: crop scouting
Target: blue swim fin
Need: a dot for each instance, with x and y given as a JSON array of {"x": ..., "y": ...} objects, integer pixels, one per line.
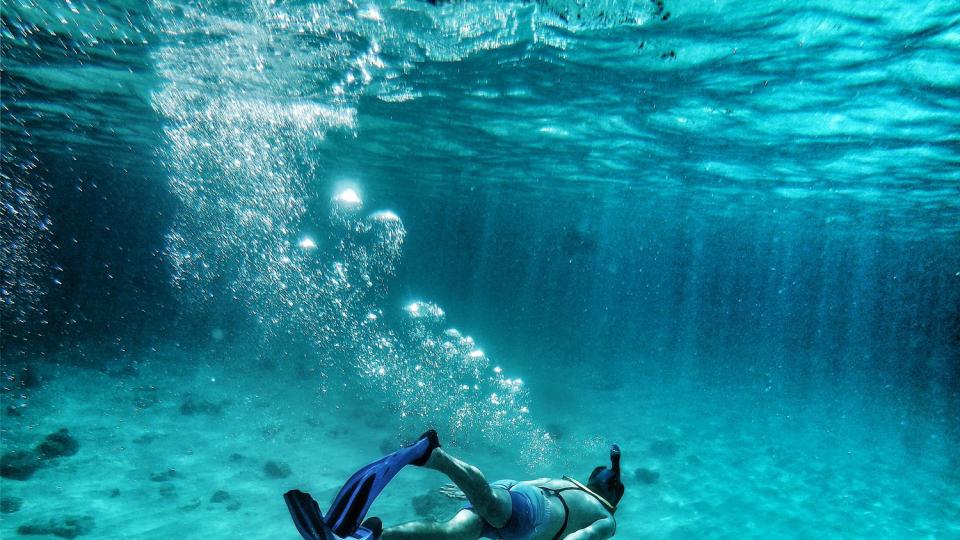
[
  {"x": 358, "y": 493},
  {"x": 309, "y": 520},
  {"x": 307, "y": 516},
  {"x": 355, "y": 497}
]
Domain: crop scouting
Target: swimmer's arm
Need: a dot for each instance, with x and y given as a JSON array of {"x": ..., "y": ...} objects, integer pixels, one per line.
[{"x": 598, "y": 530}]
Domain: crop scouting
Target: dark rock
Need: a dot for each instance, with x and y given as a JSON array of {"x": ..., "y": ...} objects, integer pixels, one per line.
[
  {"x": 190, "y": 506},
  {"x": 147, "y": 396},
  {"x": 271, "y": 432},
  {"x": 694, "y": 460},
  {"x": 114, "y": 493},
  {"x": 220, "y": 496},
  {"x": 664, "y": 448},
  {"x": 305, "y": 372},
  {"x": 64, "y": 527},
  {"x": 556, "y": 431},
  {"x": 191, "y": 407},
  {"x": 146, "y": 438},
  {"x": 9, "y": 505},
  {"x": 165, "y": 476},
  {"x": 337, "y": 432},
  {"x": 268, "y": 364},
  {"x": 276, "y": 469},
  {"x": 19, "y": 465},
  {"x": 59, "y": 444},
  {"x": 27, "y": 378},
  {"x": 168, "y": 491},
  {"x": 388, "y": 445},
  {"x": 646, "y": 476},
  {"x": 236, "y": 458},
  {"x": 234, "y": 506},
  {"x": 129, "y": 369}
]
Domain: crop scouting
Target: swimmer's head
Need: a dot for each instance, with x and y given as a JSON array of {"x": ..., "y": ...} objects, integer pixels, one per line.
[{"x": 605, "y": 481}]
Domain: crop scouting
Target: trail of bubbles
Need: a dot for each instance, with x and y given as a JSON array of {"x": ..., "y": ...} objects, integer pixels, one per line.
[
  {"x": 434, "y": 374},
  {"x": 242, "y": 136},
  {"x": 25, "y": 241}
]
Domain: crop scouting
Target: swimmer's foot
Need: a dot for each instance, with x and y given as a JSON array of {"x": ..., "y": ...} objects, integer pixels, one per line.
[{"x": 427, "y": 443}]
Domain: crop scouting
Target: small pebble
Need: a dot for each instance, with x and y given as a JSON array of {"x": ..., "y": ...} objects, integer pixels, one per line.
[
  {"x": 191, "y": 506},
  {"x": 164, "y": 476},
  {"x": 168, "y": 491},
  {"x": 64, "y": 527},
  {"x": 646, "y": 476},
  {"x": 276, "y": 469},
  {"x": 9, "y": 505}
]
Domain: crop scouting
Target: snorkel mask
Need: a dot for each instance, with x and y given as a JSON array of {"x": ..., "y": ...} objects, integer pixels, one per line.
[{"x": 605, "y": 481}]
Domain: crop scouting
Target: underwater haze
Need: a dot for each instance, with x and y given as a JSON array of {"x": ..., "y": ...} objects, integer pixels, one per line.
[{"x": 250, "y": 245}]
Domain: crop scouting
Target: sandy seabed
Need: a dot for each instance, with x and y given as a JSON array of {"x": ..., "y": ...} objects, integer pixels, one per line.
[{"x": 176, "y": 444}]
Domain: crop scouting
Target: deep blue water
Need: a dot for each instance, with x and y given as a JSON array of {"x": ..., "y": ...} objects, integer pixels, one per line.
[{"x": 737, "y": 226}]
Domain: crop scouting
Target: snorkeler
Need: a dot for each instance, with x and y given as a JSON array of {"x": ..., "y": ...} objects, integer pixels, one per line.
[{"x": 542, "y": 509}]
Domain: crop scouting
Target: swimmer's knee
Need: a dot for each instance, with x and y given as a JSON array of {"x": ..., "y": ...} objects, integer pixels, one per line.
[{"x": 496, "y": 508}]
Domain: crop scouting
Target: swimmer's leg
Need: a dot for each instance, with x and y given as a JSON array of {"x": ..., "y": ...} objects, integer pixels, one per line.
[
  {"x": 466, "y": 525},
  {"x": 492, "y": 504}
]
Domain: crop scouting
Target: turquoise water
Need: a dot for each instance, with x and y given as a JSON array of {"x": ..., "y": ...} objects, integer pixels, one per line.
[{"x": 249, "y": 245}]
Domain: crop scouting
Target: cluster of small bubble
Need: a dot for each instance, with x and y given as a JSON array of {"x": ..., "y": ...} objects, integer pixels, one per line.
[
  {"x": 433, "y": 375},
  {"x": 238, "y": 148},
  {"x": 330, "y": 287},
  {"x": 439, "y": 377},
  {"x": 25, "y": 241}
]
